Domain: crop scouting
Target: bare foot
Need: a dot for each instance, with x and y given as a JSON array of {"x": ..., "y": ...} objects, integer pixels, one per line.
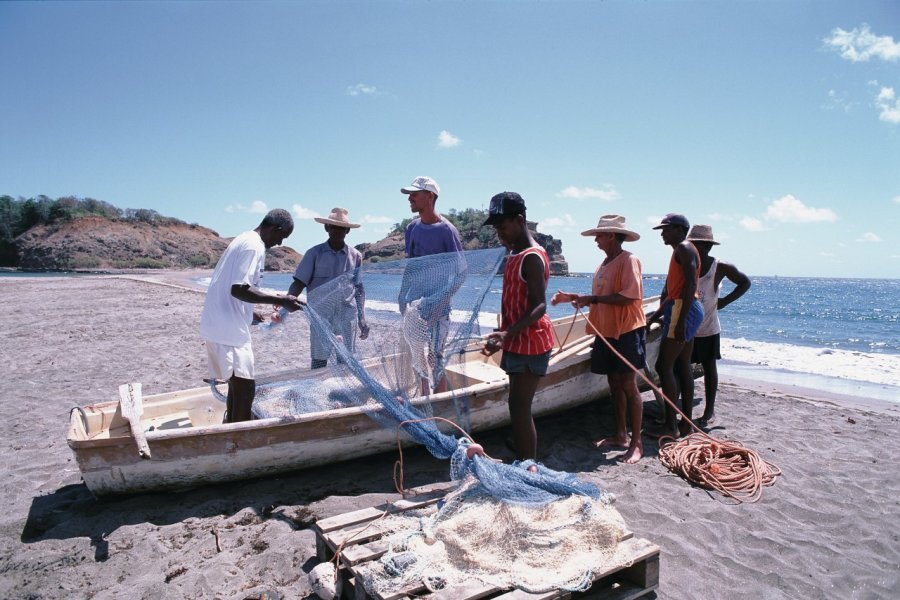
[
  {"x": 685, "y": 429},
  {"x": 616, "y": 440},
  {"x": 634, "y": 454}
]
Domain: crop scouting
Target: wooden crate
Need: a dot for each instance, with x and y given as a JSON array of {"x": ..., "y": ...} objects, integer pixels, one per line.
[{"x": 636, "y": 575}]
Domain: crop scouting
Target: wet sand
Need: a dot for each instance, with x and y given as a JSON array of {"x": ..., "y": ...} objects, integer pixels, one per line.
[{"x": 827, "y": 528}]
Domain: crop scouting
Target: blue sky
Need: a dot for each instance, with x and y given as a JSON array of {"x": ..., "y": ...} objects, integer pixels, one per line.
[{"x": 778, "y": 123}]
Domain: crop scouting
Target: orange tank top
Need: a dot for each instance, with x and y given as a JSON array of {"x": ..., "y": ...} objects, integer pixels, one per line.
[{"x": 675, "y": 280}]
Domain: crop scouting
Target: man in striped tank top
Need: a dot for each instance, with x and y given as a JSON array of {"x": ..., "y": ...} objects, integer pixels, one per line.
[{"x": 526, "y": 333}]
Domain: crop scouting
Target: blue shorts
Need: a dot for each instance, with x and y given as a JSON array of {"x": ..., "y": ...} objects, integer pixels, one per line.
[
  {"x": 513, "y": 363},
  {"x": 691, "y": 324},
  {"x": 631, "y": 345}
]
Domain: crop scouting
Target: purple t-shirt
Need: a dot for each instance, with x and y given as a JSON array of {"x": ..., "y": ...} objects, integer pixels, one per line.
[{"x": 425, "y": 240}]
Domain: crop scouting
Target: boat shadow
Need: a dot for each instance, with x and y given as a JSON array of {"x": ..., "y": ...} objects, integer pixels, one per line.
[{"x": 298, "y": 498}]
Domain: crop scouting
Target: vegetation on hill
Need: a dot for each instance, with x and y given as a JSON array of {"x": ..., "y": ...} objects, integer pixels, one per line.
[{"x": 86, "y": 234}]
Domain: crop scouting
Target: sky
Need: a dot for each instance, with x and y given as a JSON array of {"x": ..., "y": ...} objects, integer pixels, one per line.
[{"x": 777, "y": 123}]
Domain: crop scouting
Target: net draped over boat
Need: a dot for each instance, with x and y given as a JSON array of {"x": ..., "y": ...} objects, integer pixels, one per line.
[{"x": 419, "y": 335}]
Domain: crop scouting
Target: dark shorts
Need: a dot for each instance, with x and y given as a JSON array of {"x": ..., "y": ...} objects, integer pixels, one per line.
[
  {"x": 513, "y": 362},
  {"x": 706, "y": 348},
  {"x": 631, "y": 345}
]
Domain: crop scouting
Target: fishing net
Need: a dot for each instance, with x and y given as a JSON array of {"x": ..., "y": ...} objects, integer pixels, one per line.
[
  {"x": 558, "y": 545},
  {"x": 425, "y": 317}
]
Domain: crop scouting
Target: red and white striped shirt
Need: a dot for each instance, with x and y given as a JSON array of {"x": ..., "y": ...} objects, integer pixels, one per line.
[{"x": 537, "y": 338}]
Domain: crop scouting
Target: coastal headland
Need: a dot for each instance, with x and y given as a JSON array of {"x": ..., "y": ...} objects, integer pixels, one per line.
[{"x": 827, "y": 528}]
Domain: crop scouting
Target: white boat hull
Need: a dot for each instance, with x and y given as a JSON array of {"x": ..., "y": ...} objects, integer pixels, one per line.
[{"x": 189, "y": 446}]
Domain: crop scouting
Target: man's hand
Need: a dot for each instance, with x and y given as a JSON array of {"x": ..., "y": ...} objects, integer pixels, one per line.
[
  {"x": 363, "y": 329},
  {"x": 493, "y": 342},
  {"x": 679, "y": 330},
  {"x": 560, "y": 296},
  {"x": 292, "y": 303}
]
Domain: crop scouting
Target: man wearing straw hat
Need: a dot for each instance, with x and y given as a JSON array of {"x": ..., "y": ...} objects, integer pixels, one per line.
[
  {"x": 342, "y": 304},
  {"x": 616, "y": 318},
  {"x": 706, "y": 341}
]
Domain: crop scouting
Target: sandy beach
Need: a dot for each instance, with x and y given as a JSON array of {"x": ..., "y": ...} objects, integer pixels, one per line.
[{"x": 826, "y": 529}]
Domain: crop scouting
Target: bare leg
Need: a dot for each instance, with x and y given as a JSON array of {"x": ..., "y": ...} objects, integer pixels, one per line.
[
  {"x": 240, "y": 399},
  {"x": 521, "y": 392},
  {"x": 620, "y": 409},
  {"x": 669, "y": 351},
  {"x": 685, "y": 378},
  {"x": 627, "y": 382},
  {"x": 711, "y": 386}
]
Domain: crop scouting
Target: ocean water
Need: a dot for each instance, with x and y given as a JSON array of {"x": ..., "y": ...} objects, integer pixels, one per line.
[{"x": 838, "y": 335}]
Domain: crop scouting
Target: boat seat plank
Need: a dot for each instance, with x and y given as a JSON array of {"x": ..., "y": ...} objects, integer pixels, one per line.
[
  {"x": 479, "y": 370},
  {"x": 132, "y": 407}
]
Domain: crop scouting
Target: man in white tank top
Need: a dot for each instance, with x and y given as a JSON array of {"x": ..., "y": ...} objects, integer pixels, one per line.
[{"x": 707, "y": 339}]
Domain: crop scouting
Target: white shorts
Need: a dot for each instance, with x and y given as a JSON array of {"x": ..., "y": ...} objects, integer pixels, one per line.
[{"x": 225, "y": 361}]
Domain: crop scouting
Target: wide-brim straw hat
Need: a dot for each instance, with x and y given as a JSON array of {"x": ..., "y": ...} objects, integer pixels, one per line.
[
  {"x": 612, "y": 224},
  {"x": 338, "y": 217},
  {"x": 701, "y": 233}
]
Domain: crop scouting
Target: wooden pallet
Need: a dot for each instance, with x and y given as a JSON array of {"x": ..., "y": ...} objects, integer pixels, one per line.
[{"x": 635, "y": 576}]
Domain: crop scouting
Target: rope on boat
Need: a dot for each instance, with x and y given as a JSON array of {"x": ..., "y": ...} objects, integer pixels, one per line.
[{"x": 725, "y": 466}]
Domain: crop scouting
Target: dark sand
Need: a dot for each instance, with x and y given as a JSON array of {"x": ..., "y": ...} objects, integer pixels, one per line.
[{"x": 826, "y": 529}]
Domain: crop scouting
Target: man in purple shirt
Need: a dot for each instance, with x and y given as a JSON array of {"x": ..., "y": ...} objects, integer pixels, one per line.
[{"x": 436, "y": 283}]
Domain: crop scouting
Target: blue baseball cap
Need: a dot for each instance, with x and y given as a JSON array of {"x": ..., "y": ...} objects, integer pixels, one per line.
[
  {"x": 674, "y": 219},
  {"x": 503, "y": 205}
]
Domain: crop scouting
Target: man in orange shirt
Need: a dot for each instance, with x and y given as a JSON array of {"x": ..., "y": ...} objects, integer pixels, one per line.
[{"x": 617, "y": 314}]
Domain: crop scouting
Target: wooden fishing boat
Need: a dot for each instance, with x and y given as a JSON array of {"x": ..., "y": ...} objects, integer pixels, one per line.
[{"x": 177, "y": 439}]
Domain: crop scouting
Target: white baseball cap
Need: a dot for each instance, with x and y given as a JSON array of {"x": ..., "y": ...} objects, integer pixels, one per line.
[{"x": 422, "y": 183}]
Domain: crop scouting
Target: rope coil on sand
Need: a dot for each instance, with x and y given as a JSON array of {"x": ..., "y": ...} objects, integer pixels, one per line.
[
  {"x": 725, "y": 466},
  {"x": 721, "y": 465}
]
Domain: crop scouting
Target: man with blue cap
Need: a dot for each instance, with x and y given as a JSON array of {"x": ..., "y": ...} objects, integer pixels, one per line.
[{"x": 681, "y": 314}]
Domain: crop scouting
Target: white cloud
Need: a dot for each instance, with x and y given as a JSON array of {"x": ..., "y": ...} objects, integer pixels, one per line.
[
  {"x": 303, "y": 213},
  {"x": 555, "y": 223},
  {"x": 788, "y": 209},
  {"x": 752, "y": 224},
  {"x": 448, "y": 140},
  {"x": 869, "y": 237},
  {"x": 889, "y": 105},
  {"x": 860, "y": 44},
  {"x": 608, "y": 193},
  {"x": 376, "y": 220},
  {"x": 361, "y": 89},
  {"x": 897, "y": 199},
  {"x": 257, "y": 206},
  {"x": 827, "y": 254}
]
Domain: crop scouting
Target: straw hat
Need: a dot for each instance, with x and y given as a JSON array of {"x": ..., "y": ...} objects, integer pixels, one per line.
[
  {"x": 701, "y": 233},
  {"x": 337, "y": 217},
  {"x": 612, "y": 224}
]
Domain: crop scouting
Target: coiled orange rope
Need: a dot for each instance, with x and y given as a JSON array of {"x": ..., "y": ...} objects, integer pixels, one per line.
[{"x": 725, "y": 466}]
